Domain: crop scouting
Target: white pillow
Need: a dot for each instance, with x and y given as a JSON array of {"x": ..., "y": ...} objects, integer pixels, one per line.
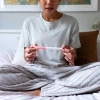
[
  {"x": 19, "y": 57},
  {"x": 6, "y": 56}
]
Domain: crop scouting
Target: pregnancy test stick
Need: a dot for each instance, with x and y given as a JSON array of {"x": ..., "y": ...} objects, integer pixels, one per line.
[
  {"x": 48, "y": 48},
  {"x": 53, "y": 48}
]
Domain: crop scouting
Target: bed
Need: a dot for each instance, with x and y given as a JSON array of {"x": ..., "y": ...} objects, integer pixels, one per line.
[{"x": 7, "y": 54}]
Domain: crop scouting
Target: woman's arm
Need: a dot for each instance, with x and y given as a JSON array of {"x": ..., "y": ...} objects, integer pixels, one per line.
[
  {"x": 30, "y": 53},
  {"x": 70, "y": 54}
]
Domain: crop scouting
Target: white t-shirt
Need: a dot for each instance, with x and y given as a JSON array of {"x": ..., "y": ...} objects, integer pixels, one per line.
[{"x": 38, "y": 31}]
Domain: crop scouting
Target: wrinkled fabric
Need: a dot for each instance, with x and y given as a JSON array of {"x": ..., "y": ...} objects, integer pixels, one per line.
[{"x": 59, "y": 81}]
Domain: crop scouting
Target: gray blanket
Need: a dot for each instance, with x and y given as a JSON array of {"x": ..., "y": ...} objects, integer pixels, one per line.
[{"x": 58, "y": 81}]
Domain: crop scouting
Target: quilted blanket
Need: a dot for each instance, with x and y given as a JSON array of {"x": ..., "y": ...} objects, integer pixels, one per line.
[{"x": 59, "y": 81}]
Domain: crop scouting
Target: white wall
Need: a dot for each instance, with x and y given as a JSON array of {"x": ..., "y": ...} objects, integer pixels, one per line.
[{"x": 15, "y": 20}]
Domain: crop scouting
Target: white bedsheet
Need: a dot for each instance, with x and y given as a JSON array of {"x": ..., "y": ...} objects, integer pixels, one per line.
[
  {"x": 6, "y": 56},
  {"x": 23, "y": 96}
]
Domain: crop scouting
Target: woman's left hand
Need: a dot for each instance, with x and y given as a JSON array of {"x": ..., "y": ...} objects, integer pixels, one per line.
[{"x": 70, "y": 54}]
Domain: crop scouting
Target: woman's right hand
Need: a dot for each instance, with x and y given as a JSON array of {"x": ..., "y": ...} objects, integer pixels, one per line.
[{"x": 30, "y": 53}]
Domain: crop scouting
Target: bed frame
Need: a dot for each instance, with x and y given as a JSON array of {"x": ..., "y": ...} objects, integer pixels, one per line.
[{"x": 9, "y": 39}]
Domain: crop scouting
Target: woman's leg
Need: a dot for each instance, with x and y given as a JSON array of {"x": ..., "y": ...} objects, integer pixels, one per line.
[{"x": 34, "y": 92}]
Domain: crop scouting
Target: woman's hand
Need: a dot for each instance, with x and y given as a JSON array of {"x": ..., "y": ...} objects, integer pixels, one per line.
[
  {"x": 70, "y": 54},
  {"x": 30, "y": 53}
]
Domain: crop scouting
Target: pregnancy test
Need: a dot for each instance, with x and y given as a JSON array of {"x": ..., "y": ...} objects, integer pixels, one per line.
[{"x": 48, "y": 48}]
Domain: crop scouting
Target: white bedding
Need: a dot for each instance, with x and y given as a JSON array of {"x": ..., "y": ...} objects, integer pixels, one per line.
[
  {"x": 23, "y": 96},
  {"x": 6, "y": 57}
]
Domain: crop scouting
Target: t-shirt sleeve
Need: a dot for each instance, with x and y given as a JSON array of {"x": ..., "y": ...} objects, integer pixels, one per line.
[
  {"x": 24, "y": 38},
  {"x": 23, "y": 42},
  {"x": 74, "y": 37}
]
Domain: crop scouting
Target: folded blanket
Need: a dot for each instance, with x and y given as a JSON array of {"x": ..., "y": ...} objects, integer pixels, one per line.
[{"x": 57, "y": 81}]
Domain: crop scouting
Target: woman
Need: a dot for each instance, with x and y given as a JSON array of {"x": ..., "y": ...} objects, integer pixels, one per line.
[{"x": 50, "y": 29}]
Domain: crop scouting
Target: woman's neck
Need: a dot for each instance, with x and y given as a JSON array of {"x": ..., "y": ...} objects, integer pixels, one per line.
[{"x": 53, "y": 17}]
